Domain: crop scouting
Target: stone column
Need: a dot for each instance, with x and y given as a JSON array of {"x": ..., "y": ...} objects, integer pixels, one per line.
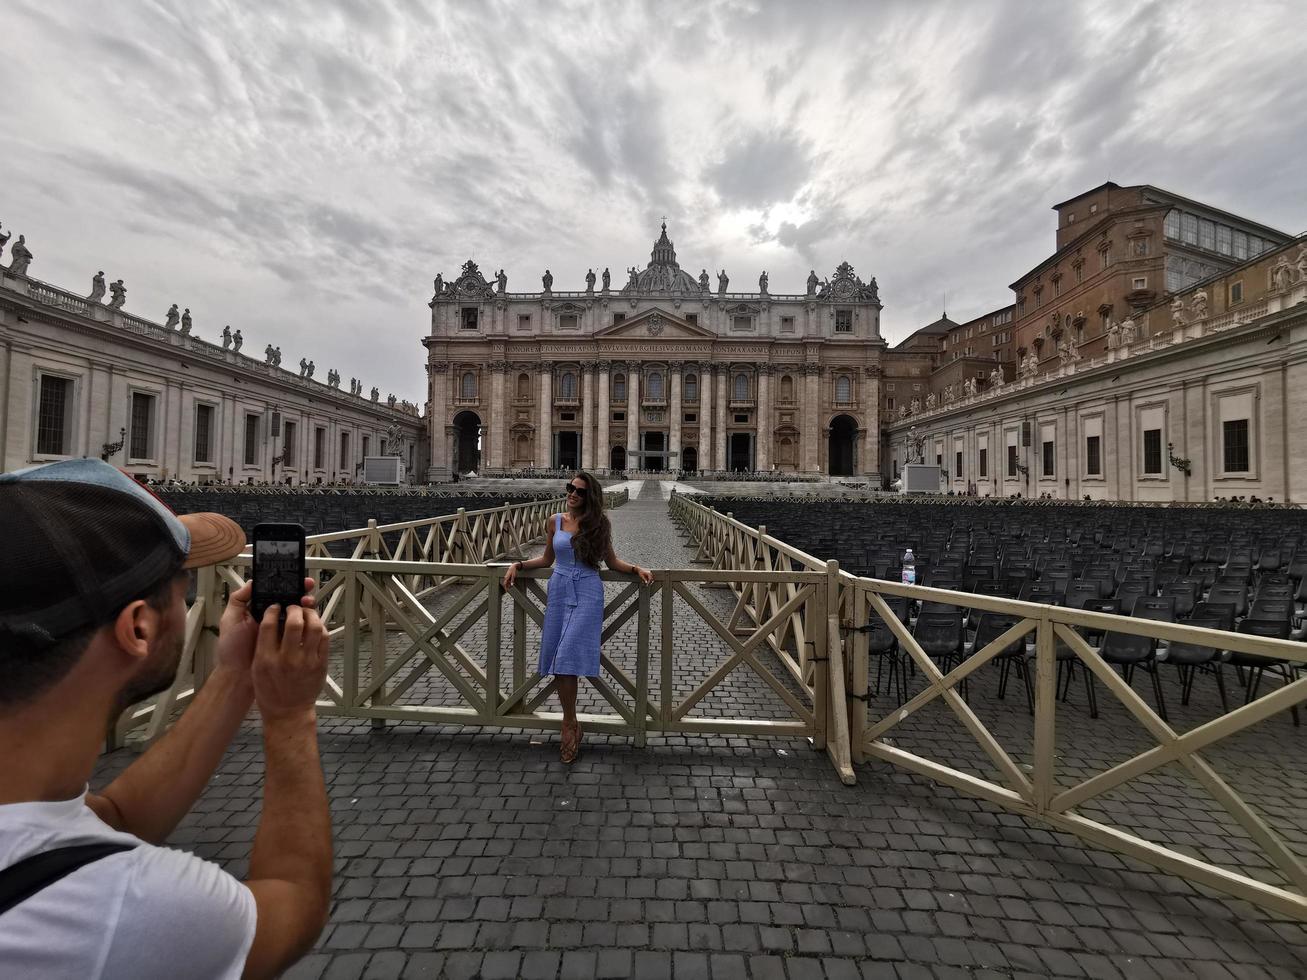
[
  {"x": 719, "y": 440},
  {"x": 811, "y": 409},
  {"x": 587, "y": 416},
  {"x": 601, "y": 423},
  {"x": 438, "y": 471},
  {"x": 762, "y": 457},
  {"x": 497, "y": 413},
  {"x": 19, "y": 447},
  {"x": 705, "y": 417},
  {"x": 674, "y": 370},
  {"x": 633, "y": 417},
  {"x": 545, "y": 426}
]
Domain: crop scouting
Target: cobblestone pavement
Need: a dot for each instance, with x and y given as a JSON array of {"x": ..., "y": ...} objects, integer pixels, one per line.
[{"x": 466, "y": 853}]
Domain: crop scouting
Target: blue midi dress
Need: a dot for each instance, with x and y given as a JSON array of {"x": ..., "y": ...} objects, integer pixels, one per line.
[{"x": 574, "y": 613}]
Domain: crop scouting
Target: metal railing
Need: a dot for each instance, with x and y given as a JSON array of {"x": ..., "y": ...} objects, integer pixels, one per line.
[{"x": 1041, "y": 789}]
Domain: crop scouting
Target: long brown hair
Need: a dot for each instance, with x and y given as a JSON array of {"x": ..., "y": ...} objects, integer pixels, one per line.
[{"x": 592, "y": 538}]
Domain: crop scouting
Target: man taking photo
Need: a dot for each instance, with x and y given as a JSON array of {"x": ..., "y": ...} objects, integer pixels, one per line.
[{"x": 93, "y": 589}]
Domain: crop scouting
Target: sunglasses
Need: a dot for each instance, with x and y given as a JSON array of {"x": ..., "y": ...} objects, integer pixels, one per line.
[{"x": 579, "y": 491}]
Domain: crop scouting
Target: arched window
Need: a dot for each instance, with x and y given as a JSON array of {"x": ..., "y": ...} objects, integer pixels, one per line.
[
  {"x": 691, "y": 388},
  {"x": 567, "y": 387},
  {"x": 524, "y": 386},
  {"x": 843, "y": 389},
  {"x": 787, "y": 389},
  {"x": 468, "y": 386},
  {"x": 656, "y": 386},
  {"x": 619, "y": 387},
  {"x": 741, "y": 388}
]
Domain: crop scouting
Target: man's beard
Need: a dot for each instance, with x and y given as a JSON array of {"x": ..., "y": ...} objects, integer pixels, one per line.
[{"x": 156, "y": 674}]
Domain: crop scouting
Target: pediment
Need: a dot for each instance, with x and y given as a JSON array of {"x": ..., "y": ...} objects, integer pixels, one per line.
[{"x": 656, "y": 324}]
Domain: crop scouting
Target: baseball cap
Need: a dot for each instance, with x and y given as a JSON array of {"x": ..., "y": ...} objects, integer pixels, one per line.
[{"x": 85, "y": 539}]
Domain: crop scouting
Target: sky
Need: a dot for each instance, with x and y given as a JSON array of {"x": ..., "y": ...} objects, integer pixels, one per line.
[{"x": 302, "y": 169}]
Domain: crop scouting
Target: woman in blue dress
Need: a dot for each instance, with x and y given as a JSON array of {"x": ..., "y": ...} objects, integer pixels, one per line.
[{"x": 574, "y": 612}]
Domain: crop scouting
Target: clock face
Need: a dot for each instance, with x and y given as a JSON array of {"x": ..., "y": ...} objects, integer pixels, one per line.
[{"x": 843, "y": 288}]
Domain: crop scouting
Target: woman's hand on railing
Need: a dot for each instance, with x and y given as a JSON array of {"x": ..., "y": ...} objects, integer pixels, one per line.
[
  {"x": 510, "y": 575},
  {"x": 646, "y": 576}
]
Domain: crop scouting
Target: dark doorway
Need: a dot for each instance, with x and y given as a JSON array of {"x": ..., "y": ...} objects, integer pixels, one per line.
[
  {"x": 690, "y": 460},
  {"x": 741, "y": 452},
  {"x": 839, "y": 452},
  {"x": 617, "y": 458},
  {"x": 467, "y": 442},
  {"x": 655, "y": 449},
  {"x": 569, "y": 451}
]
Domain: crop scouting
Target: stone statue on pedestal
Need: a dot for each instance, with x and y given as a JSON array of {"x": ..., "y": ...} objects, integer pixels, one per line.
[
  {"x": 1279, "y": 275},
  {"x": 916, "y": 405},
  {"x": 812, "y": 282},
  {"x": 97, "y": 288},
  {"x": 548, "y": 280},
  {"x": 186, "y": 322},
  {"x": 501, "y": 281},
  {"x": 762, "y": 283},
  {"x": 1301, "y": 265},
  {"x": 1199, "y": 305},
  {"x": 4, "y": 239},
  {"x": 375, "y": 393},
  {"x": 19, "y": 257},
  {"x": 589, "y": 282},
  {"x": 969, "y": 388},
  {"x": 995, "y": 378},
  {"x": 226, "y": 336},
  {"x": 438, "y": 286},
  {"x": 607, "y": 278},
  {"x": 308, "y": 373},
  {"x": 1031, "y": 368},
  {"x": 723, "y": 282},
  {"x": 267, "y": 354},
  {"x": 1113, "y": 335},
  {"x": 172, "y": 317},
  {"x": 703, "y": 281},
  {"x": 353, "y": 386},
  {"x": 1178, "y": 317},
  {"x": 390, "y": 400},
  {"x": 304, "y": 366},
  {"x": 119, "y": 293},
  {"x": 236, "y": 341},
  {"x": 1128, "y": 332},
  {"x": 931, "y": 401}
]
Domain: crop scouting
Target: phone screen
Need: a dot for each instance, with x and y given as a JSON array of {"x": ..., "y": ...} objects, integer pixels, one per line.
[{"x": 277, "y": 571}]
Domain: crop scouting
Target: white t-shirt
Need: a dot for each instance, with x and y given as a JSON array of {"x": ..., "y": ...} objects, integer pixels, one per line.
[{"x": 139, "y": 914}]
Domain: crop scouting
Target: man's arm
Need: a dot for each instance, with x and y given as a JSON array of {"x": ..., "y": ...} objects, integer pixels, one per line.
[{"x": 157, "y": 790}]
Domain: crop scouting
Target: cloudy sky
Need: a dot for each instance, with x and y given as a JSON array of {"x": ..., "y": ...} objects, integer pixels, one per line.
[{"x": 302, "y": 169}]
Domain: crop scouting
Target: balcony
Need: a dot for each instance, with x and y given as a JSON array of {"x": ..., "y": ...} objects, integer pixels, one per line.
[
  {"x": 740, "y": 403},
  {"x": 463, "y": 400}
]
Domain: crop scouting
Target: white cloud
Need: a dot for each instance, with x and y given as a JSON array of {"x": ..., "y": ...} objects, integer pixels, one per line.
[{"x": 303, "y": 169}]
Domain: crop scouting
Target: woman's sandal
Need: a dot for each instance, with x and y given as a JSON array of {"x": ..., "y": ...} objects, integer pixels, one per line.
[{"x": 571, "y": 743}]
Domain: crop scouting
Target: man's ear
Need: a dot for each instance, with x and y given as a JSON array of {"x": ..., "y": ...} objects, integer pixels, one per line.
[{"x": 135, "y": 628}]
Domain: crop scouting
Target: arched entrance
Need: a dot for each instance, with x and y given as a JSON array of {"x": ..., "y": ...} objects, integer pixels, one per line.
[
  {"x": 655, "y": 450},
  {"x": 690, "y": 460},
  {"x": 467, "y": 442},
  {"x": 617, "y": 458},
  {"x": 740, "y": 452},
  {"x": 839, "y": 452}
]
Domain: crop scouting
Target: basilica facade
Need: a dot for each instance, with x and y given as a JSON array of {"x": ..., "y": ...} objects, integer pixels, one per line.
[{"x": 663, "y": 372}]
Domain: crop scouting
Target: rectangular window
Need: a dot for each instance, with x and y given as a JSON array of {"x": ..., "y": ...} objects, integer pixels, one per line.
[
  {"x": 618, "y": 318},
  {"x": 1057, "y": 286},
  {"x": 567, "y": 416},
  {"x": 524, "y": 321},
  {"x": 787, "y": 324},
  {"x": 1080, "y": 273},
  {"x": 742, "y": 418},
  {"x": 1189, "y": 229},
  {"x": 1240, "y": 245},
  {"x": 1207, "y": 235},
  {"x": 289, "y": 445},
  {"x": 567, "y": 321},
  {"x": 367, "y": 445},
  {"x": 1236, "y": 293},
  {"x": 982, "y": 463},
  {"x": 344, "y": 451},
  {"x": 204, "y": 433},
  {"x": 1094, "y": 456},
  {"x": 1011, "y": 461},
  {"x": 619, "y": 416},
  {"x": 889, "y": 403},
  {"x": 54, "y": 416},
  {"x": 1139, "y": 282},
  {"x": 142, "y": 434},
  {"x": 741, "y": 323},
  {"x": 251, "y": 440},
  {"x": 844, "y": 321},
  {"x": 1048, "y": 459},
  {"x": 1104, "y": 257},
  {"x": 319, "y": 448},
  {"x": 957, "y": 465},
  {"x": 692, "y": 318},
  {"x": 468, "y": 320},
  {"x": 1224, "y": 243},
  {"x": 1234, "y": 434},
  {"x": 691, "y": 417},
  {"x": 1153, "y": 452},
  {"x": 1171, "y": 226}
]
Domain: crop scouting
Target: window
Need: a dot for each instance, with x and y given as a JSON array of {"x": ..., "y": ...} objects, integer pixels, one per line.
[
  {"x": 844, "y": 321},
  {"x": 787, "y": 324},
  {"x": 142, "y": 432},
  {"x": 1011, "y": 462},
  {"x": 1207, "y": 235},
  {"x": 344, "y": 450},
  {"x": 567, "y": 321},
  {"x": 367, "y": 444},
  {"x": 1093, "y": 456},
  {"x": 54, "y": 416},
  {"x": 524, "y": 386},
  {"x": 1057, "y": 285},
  {"x": 1139, "y": 282},
  {"x": 1048, "y": 459},
  {"x": 288, "y": 446},
  {"x": 468, "y": 319},
  {"x": 619, "y": 388},
  {"x": 691, "y": 417},
  {"x": 319, "y": 448},
  {"x": 787, "y": 389},
  {"x": 741, "y": 323},
  {"x": 251, "y": 440},
  {"x": 890, "y": 386},
  {"x": 957, "y": 465},
  {"x": 1080, "y": 272},
  {"x": 1224, "y": 239},
  {"x": 567, "y": 416},
  {"x": 691, "y": 388},
  {"x": 1021, "y": 306},
  {"x": 656, "y": 386},
  {"x": 1189, "y": 229},
  {"x": 692, "y": 318},
  {"x": 1153, "y": 452},
  {"x": 982, "y": 463},
  {"x": 742, "y": 419},
  {"x": 619, "y": 416},
  {"x": 1236, "y": 292},
  {"x": 741, "y": 388},
  {"x": 1105, "y": 256},
  {"x": 1171, "y": 226},
  {"x": 524, "y": 321},
  {"x": 567, "y": 385},
  {"x": 1070, "y": 217},
  {"x": 1093, "y": 209},
  {"x": 204, "y": 433},
  {"x": 618, "y": 318},
  {"x": 843, "y": 389},
  {"x": 467, "y": 386},
  {"x": 1240, "y": 245},
  {"x": 1234, "y": 435}
]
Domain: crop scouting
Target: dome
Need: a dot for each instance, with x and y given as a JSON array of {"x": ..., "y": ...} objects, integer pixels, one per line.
[{"x": 662, "y": 275}]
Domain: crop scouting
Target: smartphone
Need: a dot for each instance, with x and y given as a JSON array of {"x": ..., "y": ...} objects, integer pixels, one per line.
[{"x": 278, "y": 567}]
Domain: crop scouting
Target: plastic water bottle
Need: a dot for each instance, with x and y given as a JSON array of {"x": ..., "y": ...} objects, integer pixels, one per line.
[{"x": 909, "y": 568}]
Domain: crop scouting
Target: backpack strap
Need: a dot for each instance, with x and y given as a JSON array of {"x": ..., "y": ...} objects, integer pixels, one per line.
[{"x": 21, "y": 881}]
